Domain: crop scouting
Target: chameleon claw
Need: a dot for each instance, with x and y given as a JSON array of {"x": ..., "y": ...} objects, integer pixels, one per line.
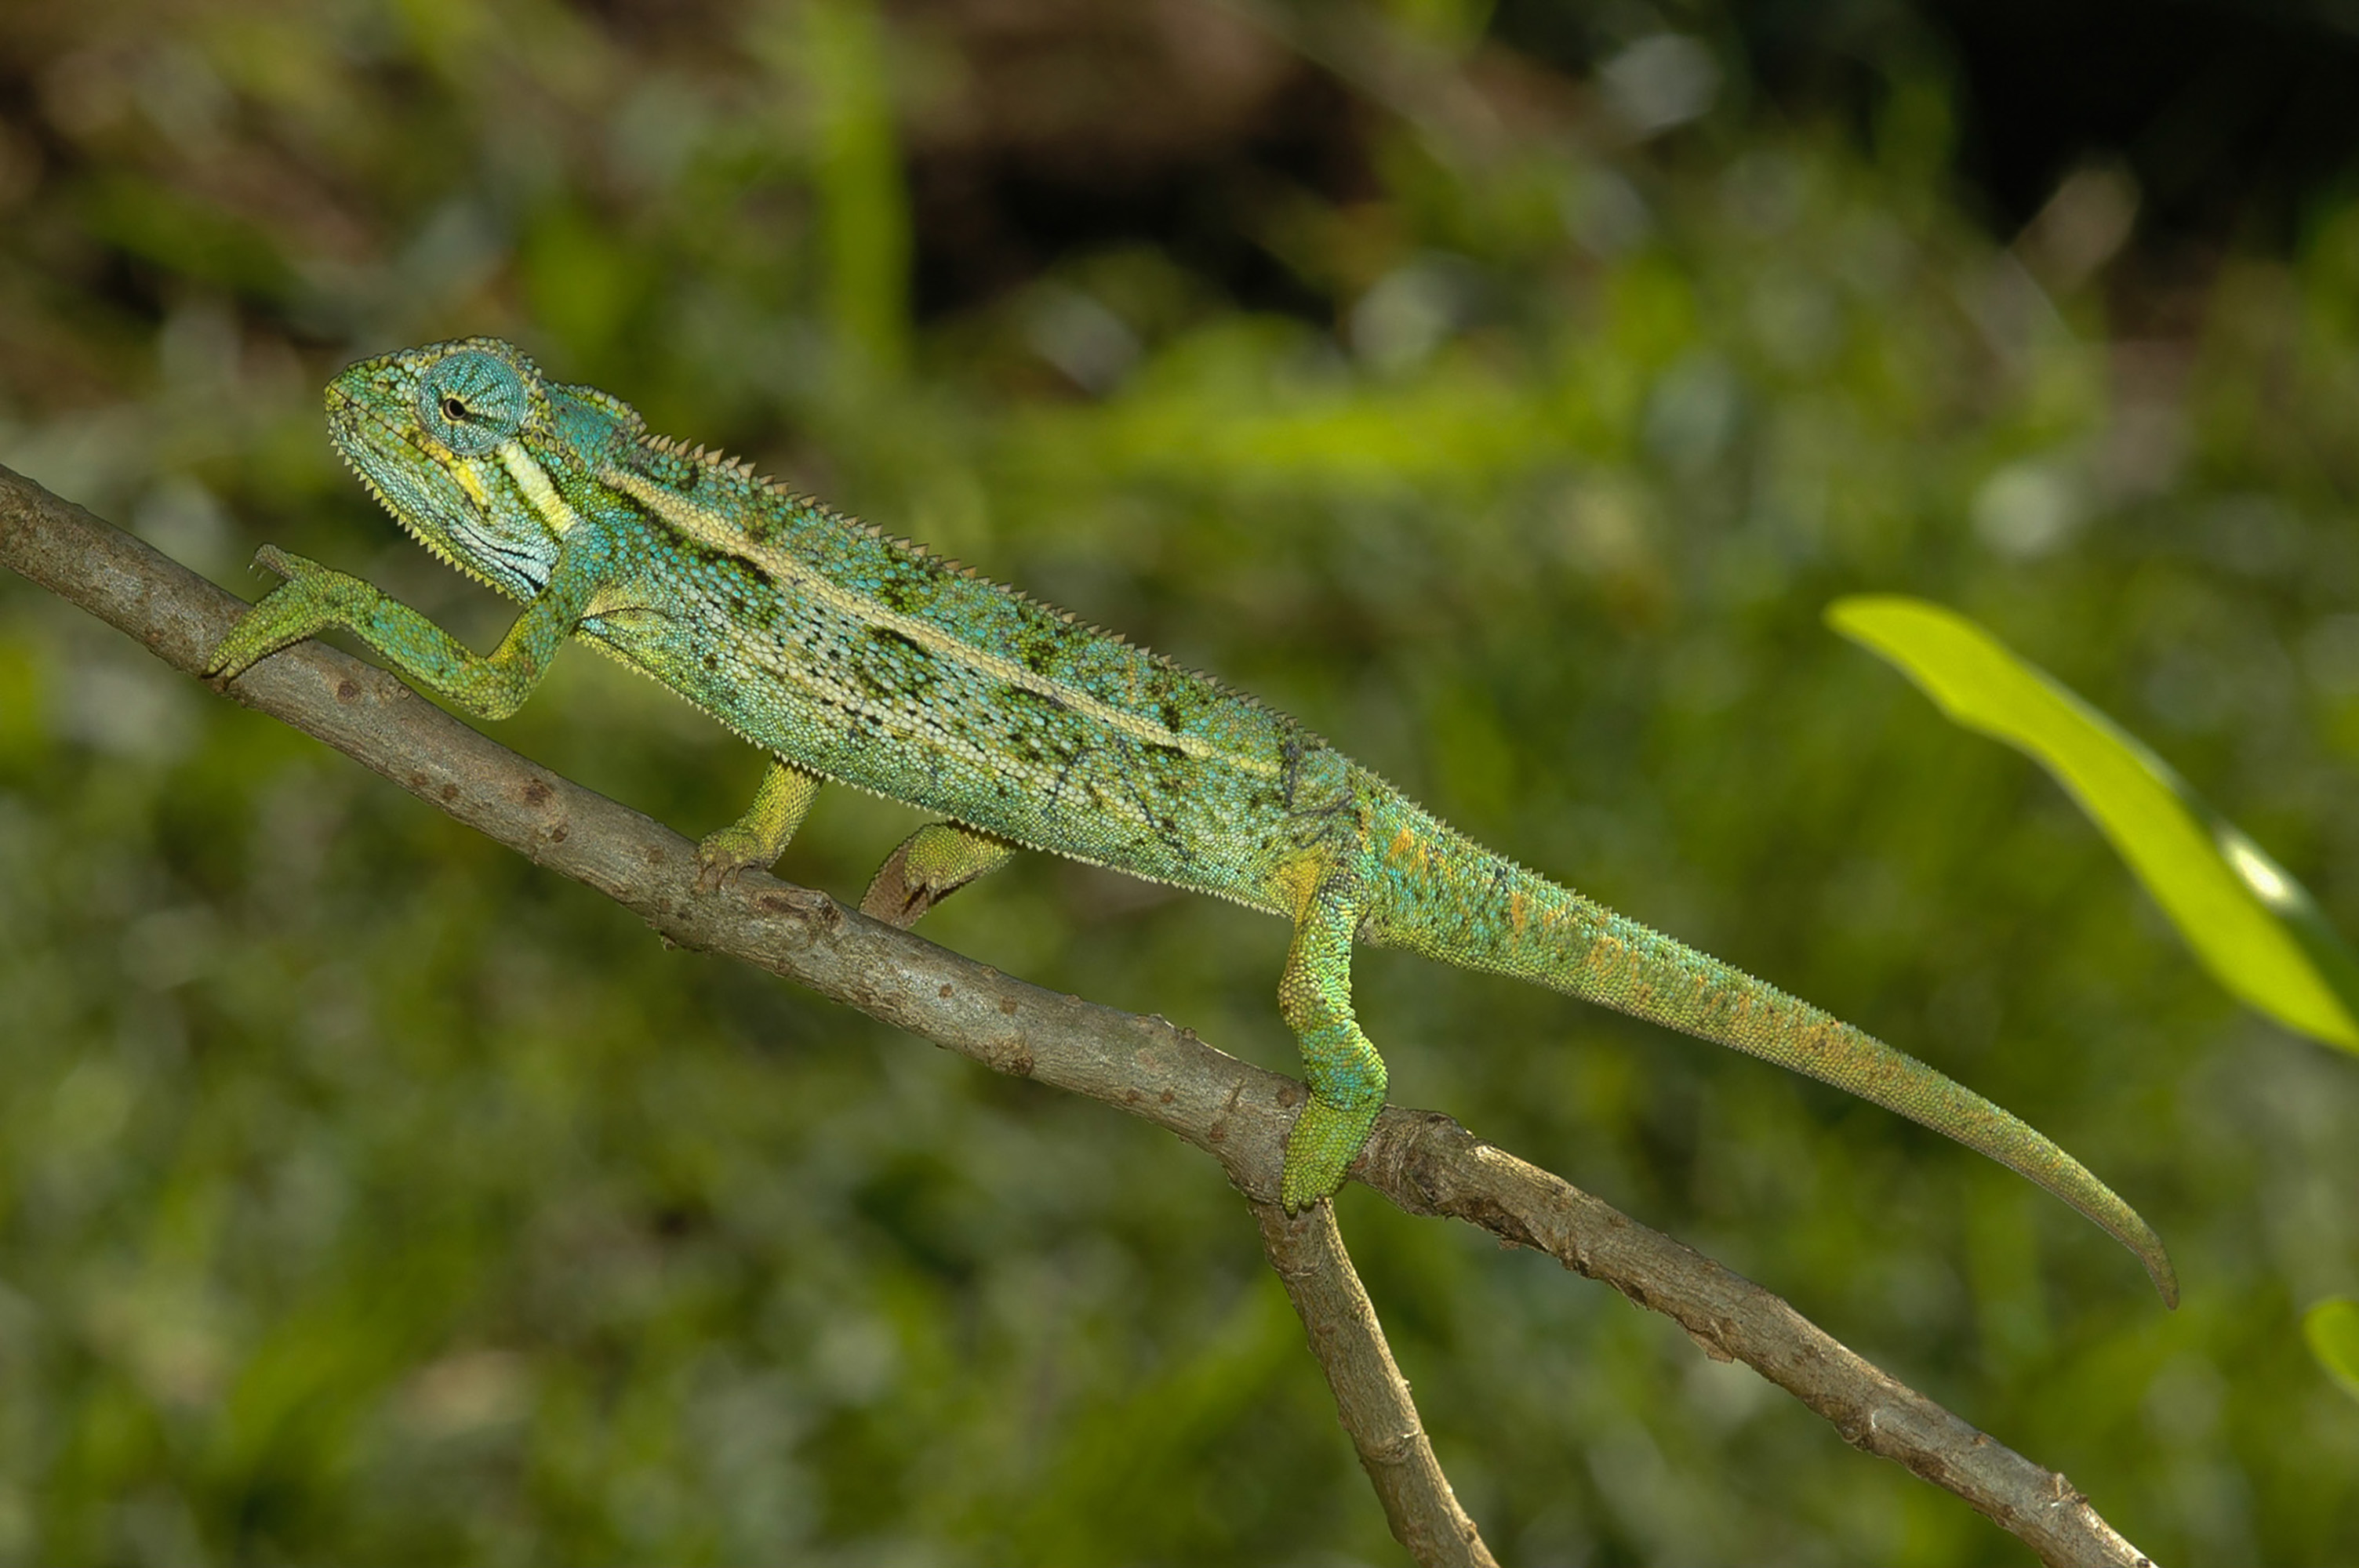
[
  {"x": 725, "y": 855},
  {"x": 712, "y": 875},
  {"x": 230, "y": 659}
]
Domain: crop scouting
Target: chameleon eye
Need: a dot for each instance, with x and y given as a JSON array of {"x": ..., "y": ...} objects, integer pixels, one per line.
[{"x": 472, "y": 400}]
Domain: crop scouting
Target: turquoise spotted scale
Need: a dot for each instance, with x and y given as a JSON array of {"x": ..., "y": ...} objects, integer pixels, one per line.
[{"x": 852, "y": 656}]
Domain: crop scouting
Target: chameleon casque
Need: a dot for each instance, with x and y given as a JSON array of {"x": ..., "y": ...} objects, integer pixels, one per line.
[{"x": 855, "y": 656}]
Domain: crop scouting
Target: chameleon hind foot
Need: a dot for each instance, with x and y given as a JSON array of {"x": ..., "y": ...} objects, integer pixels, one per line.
[
  {"x": 928, "y": 867},
  {"x": 1326, "y": 1138}
]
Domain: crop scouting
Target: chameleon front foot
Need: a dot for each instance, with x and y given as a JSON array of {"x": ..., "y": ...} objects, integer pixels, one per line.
[
  {"x": 312, "y": 599},
  {"x": 1326, "y": 1138},
  {"x": 756, "y": 839},
  {"x": 723, "y": 853}
]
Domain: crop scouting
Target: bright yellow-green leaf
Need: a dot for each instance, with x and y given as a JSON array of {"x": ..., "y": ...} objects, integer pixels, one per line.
[
  {"x": 2333, "y": 1329},
  {"x": 2252, "y": 924}
]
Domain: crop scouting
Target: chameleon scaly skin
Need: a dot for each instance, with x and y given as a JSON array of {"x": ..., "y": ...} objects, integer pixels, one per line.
[{"x": 853, "y": 656}]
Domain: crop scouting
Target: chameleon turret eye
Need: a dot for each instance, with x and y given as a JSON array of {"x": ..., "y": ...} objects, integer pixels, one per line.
[{"x": 471, "y": 400}]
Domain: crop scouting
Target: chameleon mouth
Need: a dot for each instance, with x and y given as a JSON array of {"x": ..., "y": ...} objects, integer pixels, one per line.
[{"x": 370, "y": 444}]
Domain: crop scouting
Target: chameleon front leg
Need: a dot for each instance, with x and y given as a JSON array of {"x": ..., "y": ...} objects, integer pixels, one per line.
[
  {"x": 315, "y": 597},
  {"x": 929, "y": 866},
  {"x": 1347, "y": 1076},
  {"x": 760, "y": 837}
]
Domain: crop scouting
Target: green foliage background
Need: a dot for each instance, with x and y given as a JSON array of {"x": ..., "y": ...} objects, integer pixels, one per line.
[{"x": 367, "y": 1195}]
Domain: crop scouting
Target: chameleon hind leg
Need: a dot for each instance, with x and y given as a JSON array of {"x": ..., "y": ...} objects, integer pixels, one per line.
[
  {"x": 928, "y": 867},
  {"x": 1347, "y": 1076},
  {"x": 760, "y": 835}
]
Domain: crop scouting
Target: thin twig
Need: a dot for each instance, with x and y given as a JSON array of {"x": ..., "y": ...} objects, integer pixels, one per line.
[
  {"x": 1428, "y": 1163},
  {"x": 1239, "y": 1113},
  {"x": 1371, "y": 1396}
]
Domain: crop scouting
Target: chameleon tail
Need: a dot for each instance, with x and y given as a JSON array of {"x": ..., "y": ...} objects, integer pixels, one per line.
[{"x": 1442, "y": 895}]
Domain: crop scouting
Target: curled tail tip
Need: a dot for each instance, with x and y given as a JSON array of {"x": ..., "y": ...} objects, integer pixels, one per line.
[
  {"x": 2149, "y": 1251},
  {"x": 2123, "y": 1225}
]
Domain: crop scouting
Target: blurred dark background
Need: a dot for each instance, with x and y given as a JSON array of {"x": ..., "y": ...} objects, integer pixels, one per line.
[{"x": 1506, "y": 389}]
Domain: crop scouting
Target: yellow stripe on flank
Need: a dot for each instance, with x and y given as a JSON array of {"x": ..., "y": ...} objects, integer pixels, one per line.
[
  {"x": 715, "y": 532},
  {"x": 533, "y": 480}
]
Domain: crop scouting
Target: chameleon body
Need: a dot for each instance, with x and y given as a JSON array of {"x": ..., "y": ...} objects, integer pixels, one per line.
[{"x": 853, "y": 656}]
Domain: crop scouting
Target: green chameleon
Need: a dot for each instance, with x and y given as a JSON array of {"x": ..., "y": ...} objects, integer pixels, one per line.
[{"x": 851, "y": 655}]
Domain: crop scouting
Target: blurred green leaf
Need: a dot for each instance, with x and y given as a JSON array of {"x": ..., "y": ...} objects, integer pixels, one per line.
[
  {"x": 193, "y": 238},
  {"x": 2333, "y": 1329},
  {"x": 858, "y": 173},
  {"x": 2251, "y": 923}
]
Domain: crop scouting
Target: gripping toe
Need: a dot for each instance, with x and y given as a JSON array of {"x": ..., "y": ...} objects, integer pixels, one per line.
[{"x": 1326, "y": 1138}]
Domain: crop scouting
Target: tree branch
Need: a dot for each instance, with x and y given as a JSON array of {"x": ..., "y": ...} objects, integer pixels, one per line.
[{"x": 1238, "y": 1113}]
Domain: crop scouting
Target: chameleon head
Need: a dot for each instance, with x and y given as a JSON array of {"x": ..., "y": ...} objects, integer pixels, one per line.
[{"x": 458, "y": 440}]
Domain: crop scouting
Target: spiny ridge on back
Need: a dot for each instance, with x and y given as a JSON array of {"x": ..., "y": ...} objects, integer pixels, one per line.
[{"x": 916, "y": 552}]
